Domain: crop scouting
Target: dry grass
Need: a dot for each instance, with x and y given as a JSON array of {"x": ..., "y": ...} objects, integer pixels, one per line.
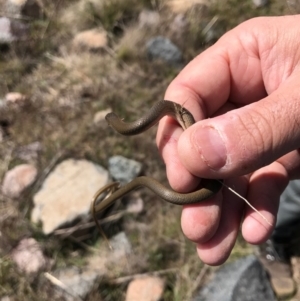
[{"x": 65, "y": 89}]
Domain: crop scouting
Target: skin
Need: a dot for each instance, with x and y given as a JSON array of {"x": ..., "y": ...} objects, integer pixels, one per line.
[{"x": 244, "y": 93}]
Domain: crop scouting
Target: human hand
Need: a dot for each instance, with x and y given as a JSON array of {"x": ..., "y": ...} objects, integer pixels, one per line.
[{"x": 244, "y": 93}]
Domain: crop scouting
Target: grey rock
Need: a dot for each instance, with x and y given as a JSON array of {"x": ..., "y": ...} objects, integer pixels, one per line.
[
  {"x": 66, "y": 194},
  {"x": 106, "y": 259},
  {"x": 122, "y": 169},
  {"x": 162, "y": 48},
  {"x": 76, "y": 282},
  {"x": 242, "y": 280},
  {"x": 260, "y": 3},
  {"x": 121, "y": 245}
]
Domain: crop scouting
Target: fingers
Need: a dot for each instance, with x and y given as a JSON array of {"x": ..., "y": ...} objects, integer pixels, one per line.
[
  {"x": 214, "y": 225},
  {"x": 214, "y": 228},
  {"x": 246, "y": 139},
  {"x": 181, "y": 180},
  {"x": 265, "y": 188}
]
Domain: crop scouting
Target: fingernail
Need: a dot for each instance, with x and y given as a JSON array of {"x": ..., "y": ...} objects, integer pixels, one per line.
[{"x": 211, "y": 147}]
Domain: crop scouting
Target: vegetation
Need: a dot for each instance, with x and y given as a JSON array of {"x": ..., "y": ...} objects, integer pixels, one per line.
[{"x": 65, "y": 87}]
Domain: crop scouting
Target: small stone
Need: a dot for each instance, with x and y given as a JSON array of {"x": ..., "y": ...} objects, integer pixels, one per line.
[
  {"x": 122, "y": 169},
  {"x": 30, "y": 151},
  {"x": 77, "y": 282},
  {"x": 5, "y": 298},
  {"x": 148, "y": 19},
  {"x": 93, "y": 39},
  {"x": 146, "y": 289},
  {"x": 135, "y": 205},
  {"x": 121, "y": 245},
  {"x": 15, "y": 98},
  {"x": 66, "y": 194},
  {"x": 162, "y": 48},
  {"x": 18, "y": 179},
  {"x": 6, "y": 35},
  {"x": 100, "y": 116},
  {"x": 260, "y": 3},
  {"x": 105, "y": 259},
  {"x": 28, "y": 256}
]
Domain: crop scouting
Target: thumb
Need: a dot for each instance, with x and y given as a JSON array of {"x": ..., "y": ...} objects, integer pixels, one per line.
[{"x": 244, "y": 139}]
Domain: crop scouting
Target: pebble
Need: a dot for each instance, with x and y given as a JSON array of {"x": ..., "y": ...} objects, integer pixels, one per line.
[
  {"x": 77, "y": 282},
  {"x": 6, "y": 35},
  {"x": 28, "y": 256},
  {"x": 146, "y": 289},
  {"x": 18, "y": 179},
  {"x": 15, "y": 98},
  {"x": 122, "y": 169},
  {"x": 162, "y": 48}
]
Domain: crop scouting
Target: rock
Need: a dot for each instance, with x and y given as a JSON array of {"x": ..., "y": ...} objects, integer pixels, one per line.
[
  {"x": 18, "y": 179},
  {"x": 121, "y": 246},
  {"x": 6, "y": 35},
  {"x": 66, "y": 194},
  {"x": 28, "y": 256},
  {"x": 100, "y": 116},
  {"x": 148, "y": 19},
  {"x": 15, "y": 98},
  {"x": 135, "y": 205},
  {"x": 11, "y": 30},
  {"x": 5, "y": 298},
  {"x": 162, "y": 48},
  {"x": 122, "y": 169},
  {"x": 93, "y": 39},
  {"x": 29, "y": 152},
  {"x": 260, "y": 3},
  {"x": 146, "y": 289},
  {"x": 116, "y": 258},
  {"x": 76, "y": 282},
  {"x": 242, "y": 280},
  {"x": 28, "y": 8}
]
